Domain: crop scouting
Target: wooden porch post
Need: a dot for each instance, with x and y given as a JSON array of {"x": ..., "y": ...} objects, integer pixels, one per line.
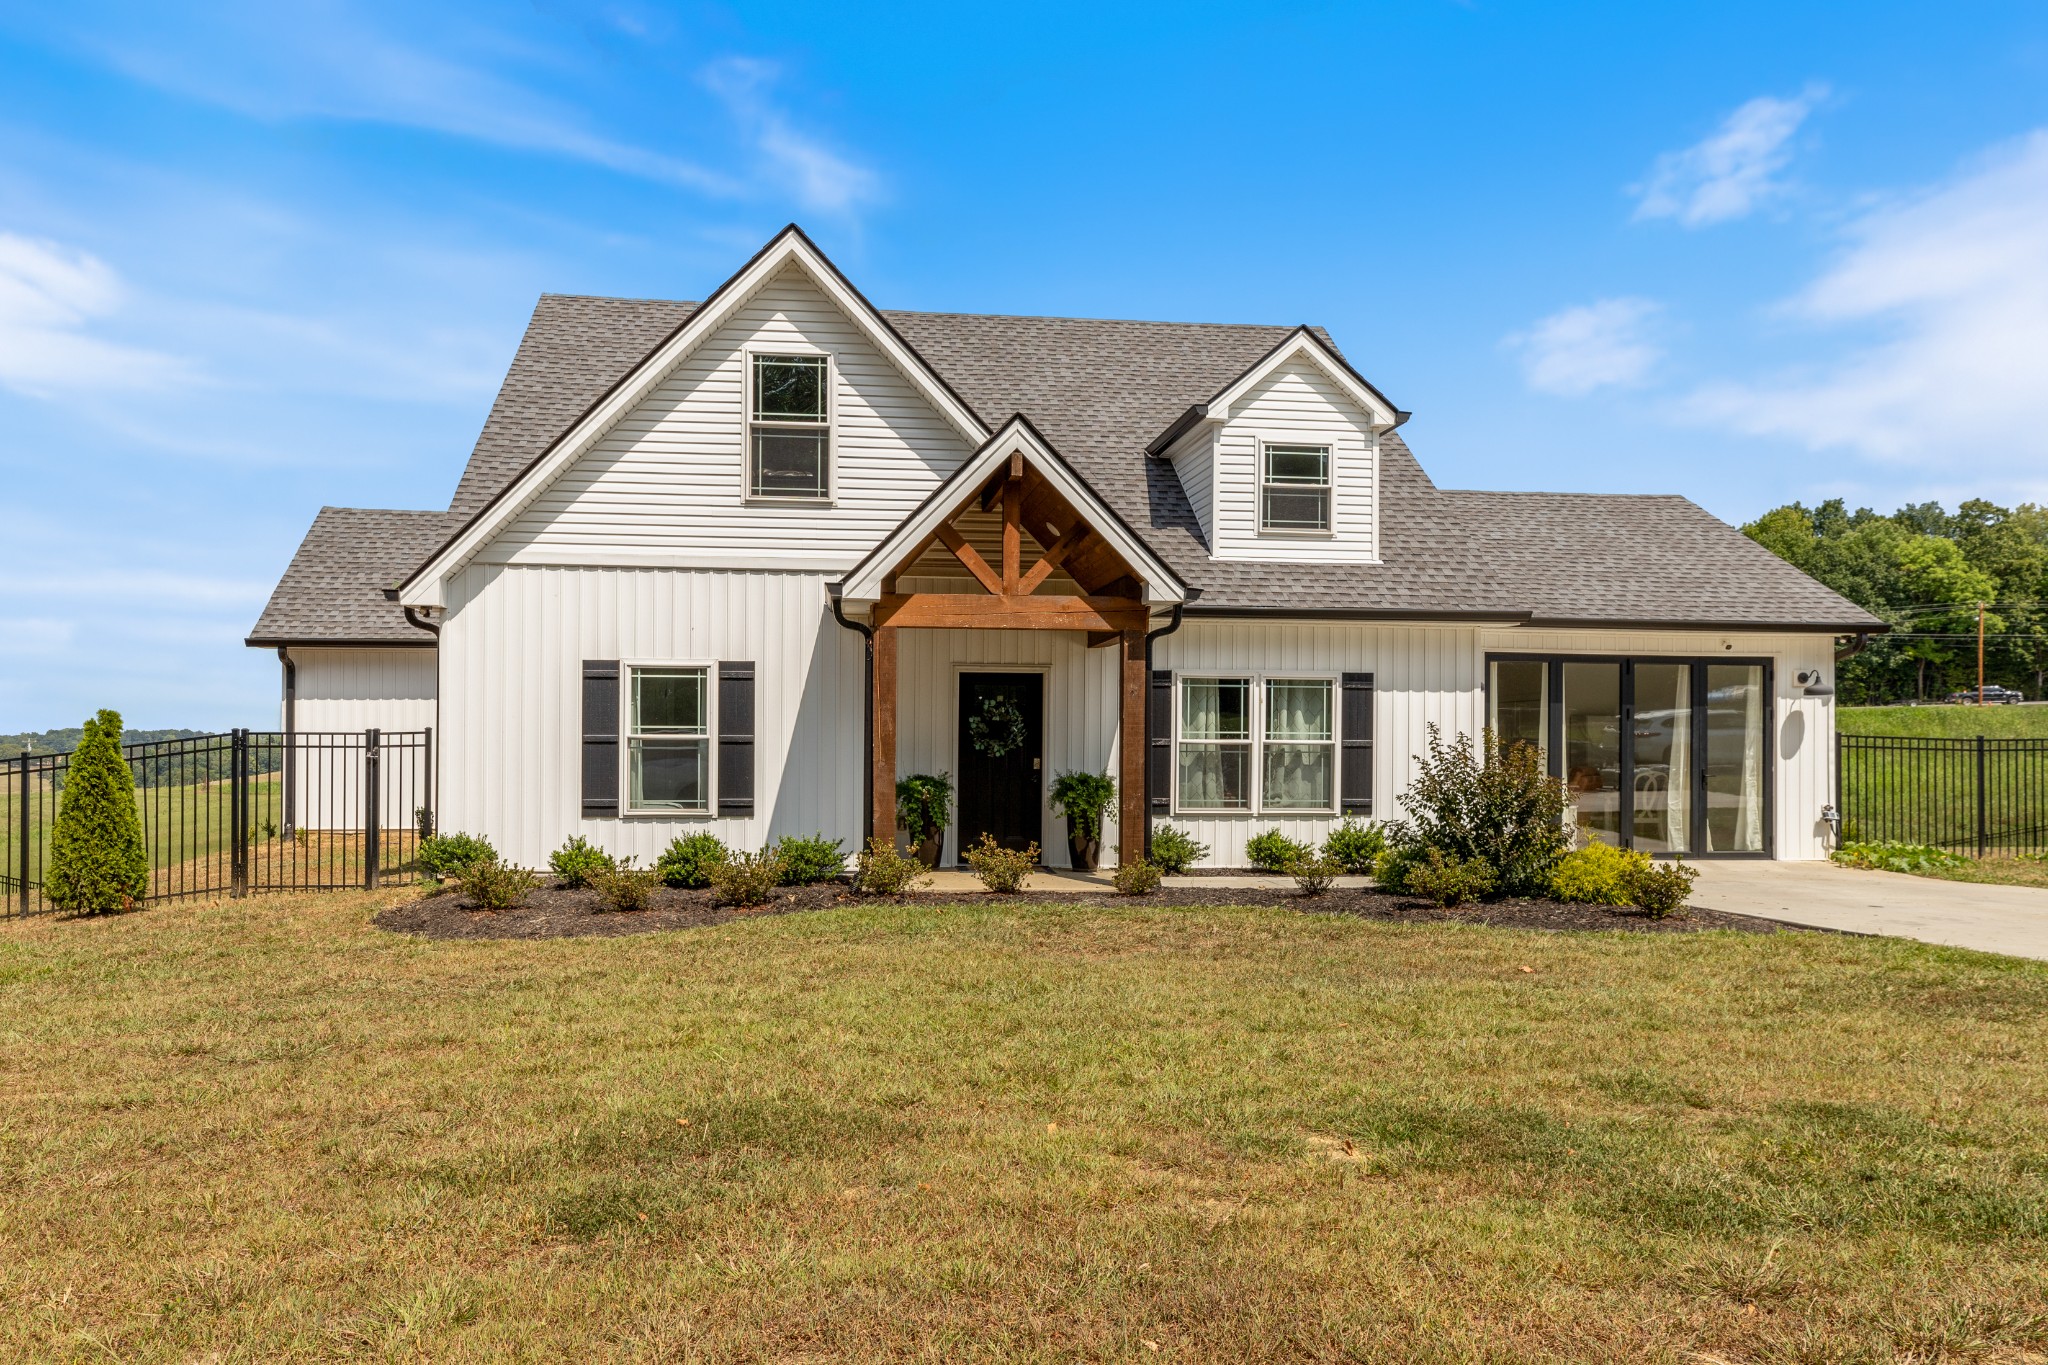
[
  {"x": 1131, "y": 784},
  {"x": 882, "y": 793}
]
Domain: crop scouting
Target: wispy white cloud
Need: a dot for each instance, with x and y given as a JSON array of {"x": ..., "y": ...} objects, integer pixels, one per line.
[
  {"x": 1734, "y": 170},
  {"x": 1598, "y": 345},
  {"x": 50, "y": 298},
  {"x": 819, "y": 177},
  {"x": 1955, "y": 280},
  {"x": 135, "y": 587}
]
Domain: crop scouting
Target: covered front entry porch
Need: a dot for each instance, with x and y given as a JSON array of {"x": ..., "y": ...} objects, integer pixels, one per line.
[{"x": 1008, "y": 619}]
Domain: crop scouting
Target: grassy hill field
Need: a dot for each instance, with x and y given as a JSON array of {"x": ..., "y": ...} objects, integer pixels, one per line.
[{"x": 1945, "y": 722}]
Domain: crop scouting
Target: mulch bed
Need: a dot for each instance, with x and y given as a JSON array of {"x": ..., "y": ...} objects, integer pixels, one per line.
[{"x": 557, "y": 913}]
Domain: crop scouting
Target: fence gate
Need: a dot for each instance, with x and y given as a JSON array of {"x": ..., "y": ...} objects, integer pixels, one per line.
[
  {"x": 242, "y": 813},
  {"x": 1978, "y": 796}
]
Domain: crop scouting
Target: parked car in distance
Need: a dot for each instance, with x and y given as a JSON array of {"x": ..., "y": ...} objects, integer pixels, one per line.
[{"x": 2003, "y": 696}]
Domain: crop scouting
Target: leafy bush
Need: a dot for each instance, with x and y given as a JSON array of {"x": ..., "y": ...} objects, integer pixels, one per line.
[
  {"x": 816, "y": 859},
  {"x": 1274, "y": 851},
  {"x": 576, "y": 862},
  {"x": 1484, "y": 802},
  {"x": 1001, "y": 869},
  {"x": 1889, "y": 855},
  {"x": 1135, "y": 878},
  {"x": 746, "y": 878},
  {"x": 446, "y": 855},
  {"x": 1390, "y": 869},
  {"x": 97, "y": 858},
  {"x": 1354, "y": 847},
  {"x": 492, "y": 885},
  {"x": 1661, "y": 888},
  {"x": 688, "y": 862},
  {"x": 1174, "y": 850},
  {"x": 1312, "y": 876},
  {"x": 622, "y": 886},
  {"x": 880, "y": 870},
  {"x": 924, "y": 803},
  {"x": 1598, "y": 874},
  {"x": 1082, "y": 797},
  {"x": 1448, "y": 879}
]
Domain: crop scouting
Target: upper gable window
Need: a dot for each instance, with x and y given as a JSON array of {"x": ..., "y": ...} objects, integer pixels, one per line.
[
  {"x": 1294, "y": 488},
  {"x": 790, "y": 427}
]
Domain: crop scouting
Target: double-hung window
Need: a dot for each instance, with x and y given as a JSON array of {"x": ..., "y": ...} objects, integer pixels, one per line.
[
  {"x": 1216, "y": 743},
  {"x": 789, "y": 428},
  {"x": 1300, "y": 766},
  {"x": 1294, "y": 488},
  {"x": 668, "y": 739},
  {"x": 1257, "y": 743}
]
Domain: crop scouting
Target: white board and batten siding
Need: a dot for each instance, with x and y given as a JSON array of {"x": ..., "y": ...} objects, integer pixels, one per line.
[
  {"x": 667, "y": 485},
  {"x": 513, "y": 649},
  {"x": 346, "y": 692},
  {"x": 1297, "y": 404}
]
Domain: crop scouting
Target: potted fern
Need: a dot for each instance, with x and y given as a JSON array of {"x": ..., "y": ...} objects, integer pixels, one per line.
[
  {"x": 924, "y": 804},
  {"x": 1082, "y": 797}
]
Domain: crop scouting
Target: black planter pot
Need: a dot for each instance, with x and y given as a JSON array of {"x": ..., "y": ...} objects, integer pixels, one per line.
[
  {"x": 927, "y": 852},
  {"x": 1082, "y": 854}
]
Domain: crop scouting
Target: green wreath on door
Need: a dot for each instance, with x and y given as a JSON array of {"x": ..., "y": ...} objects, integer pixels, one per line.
[{"x": 999, "y": 729}]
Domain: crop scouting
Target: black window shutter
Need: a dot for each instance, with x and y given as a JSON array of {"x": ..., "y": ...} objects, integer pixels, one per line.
[
  {"x": 1354, "y": 779},
  {"x": 1159, "y": 761},
  {"x": 736, "y": 739},
  {"x": 600, "y": 736}
]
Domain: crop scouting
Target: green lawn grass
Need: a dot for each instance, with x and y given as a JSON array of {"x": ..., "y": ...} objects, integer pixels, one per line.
[
  {"x": 268, "y": 1131},
  {"x": 1945, "y": 722}
]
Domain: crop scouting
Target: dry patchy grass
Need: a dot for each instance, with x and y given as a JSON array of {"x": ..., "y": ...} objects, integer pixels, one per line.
[{"x": 268, "y": 1131}]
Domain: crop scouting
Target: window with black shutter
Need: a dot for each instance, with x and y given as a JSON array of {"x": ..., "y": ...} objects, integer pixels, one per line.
[
  {"x": 736, "y": 739},
  {"x": 1159, "y": 761},
  {"x": 1355, "y": 766},
  {"x": 600, "y": 737}
]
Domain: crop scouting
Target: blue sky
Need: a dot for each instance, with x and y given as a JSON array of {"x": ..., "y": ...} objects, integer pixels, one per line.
[{"x": 256, "y": 258}]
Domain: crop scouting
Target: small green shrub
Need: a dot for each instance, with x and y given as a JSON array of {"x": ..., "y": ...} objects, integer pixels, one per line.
[
  {"x": 1082, "y": 797},
  {"x": 489, "y": 884},
  {"x": 1274, "y": 851},
  {"x": 1174, "y": 850},
  {"x": 1135, "y": 878},
  {"x": 816, "y": 859},
  {"x": 924, "y": 802},
  {"x": 1661, "y": 888},
  {"x": 1489, "y": 802},
  {"x": 688, "y": 862},
  {"x": 1354, "y": 847},
  {"x": 879, "y": 870},
  {"x": 745, "y": 879},
  {"x": 622, "y": 886},
  {"x": 1313, "y": 876},
  {"x": 97, "y": 858},
  {"x": 1889, "y": 855},
  {"x": 576, "y": 862},
  {"x": 1390, "y": 869},
  {"x": 446, "y": 855},
  {"x": 1598, "y": 874},
  {"x": 1001, "y": 869},
  {"x": 1448, "y": 879}
]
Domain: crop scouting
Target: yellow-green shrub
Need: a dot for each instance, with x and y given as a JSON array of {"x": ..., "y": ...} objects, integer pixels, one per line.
[{"x": 1598, "y": 874}]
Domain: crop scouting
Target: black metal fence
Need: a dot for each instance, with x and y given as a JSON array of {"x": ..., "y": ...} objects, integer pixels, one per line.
[
  {"x": 1979, "y": 796},
  {"x": 241, "y": 813}
]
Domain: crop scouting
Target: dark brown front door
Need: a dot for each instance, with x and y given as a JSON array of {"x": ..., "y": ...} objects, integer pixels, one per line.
[{"x": 1001, "y": 757}]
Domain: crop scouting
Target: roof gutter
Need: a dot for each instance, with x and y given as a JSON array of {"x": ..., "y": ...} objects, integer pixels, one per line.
[{"x": 412, "y": 619}]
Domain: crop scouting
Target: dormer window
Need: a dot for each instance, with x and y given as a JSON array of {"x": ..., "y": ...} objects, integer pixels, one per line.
[
  {"x": 1294, "y": 488},
  {"x": 790, "y": 426}
]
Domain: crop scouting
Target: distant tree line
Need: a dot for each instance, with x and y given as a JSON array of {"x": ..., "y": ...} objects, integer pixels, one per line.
[
  {"x": 168, "y": 767},
  {"x": 1924, "y": 571}
]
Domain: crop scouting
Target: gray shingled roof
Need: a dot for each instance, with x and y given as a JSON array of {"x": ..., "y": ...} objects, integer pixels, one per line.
[
  {"x": 333, "y": 590},
  {"x": 1100, "y": 391}
]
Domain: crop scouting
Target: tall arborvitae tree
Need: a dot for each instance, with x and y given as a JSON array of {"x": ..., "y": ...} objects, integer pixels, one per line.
[{"x": 97, "y": 859}]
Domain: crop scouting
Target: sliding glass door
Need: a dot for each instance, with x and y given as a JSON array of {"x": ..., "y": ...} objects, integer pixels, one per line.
[{"x": 1669, "y": 756}]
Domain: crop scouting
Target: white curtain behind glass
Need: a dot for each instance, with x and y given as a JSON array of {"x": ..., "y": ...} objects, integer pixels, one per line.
[
  {"x": 1749, "y": 819},
  {"x": 1678, "y": 793},
  {"x": 1298, "y": 733}
]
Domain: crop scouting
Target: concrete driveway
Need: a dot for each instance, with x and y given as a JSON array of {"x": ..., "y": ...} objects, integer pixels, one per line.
[{"x": 1995, "y": 919}]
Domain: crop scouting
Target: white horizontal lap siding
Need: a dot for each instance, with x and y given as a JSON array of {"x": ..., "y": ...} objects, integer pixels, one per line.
[
  {"x": 1421, "y": 675},
  {"x": 1802, "y": 729},
  {"x": 670, "y": 477},
  {"x": 1298, "y": 403},
  {"x": 512, "y": 656},
  {"x": 1082, "y": 721},
  {"x": 1192, "y": 465}
]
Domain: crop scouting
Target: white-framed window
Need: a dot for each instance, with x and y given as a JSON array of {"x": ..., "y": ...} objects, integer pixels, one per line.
[
  {"x": 789, "y": 426},
  {"x": 1254, "y": 743},
  {"x": 668, "y": 737},
  {"x": 1294, "y": 488}
]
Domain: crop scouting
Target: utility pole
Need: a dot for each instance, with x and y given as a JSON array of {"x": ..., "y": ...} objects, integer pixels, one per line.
[{"x": 1980, "y": 654}]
